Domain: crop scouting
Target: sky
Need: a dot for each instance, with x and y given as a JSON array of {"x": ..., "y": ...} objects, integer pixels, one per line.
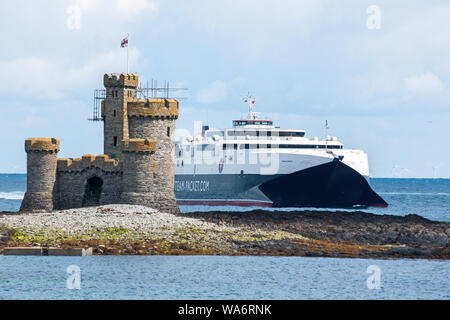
[{"x": 378, "y": 71}]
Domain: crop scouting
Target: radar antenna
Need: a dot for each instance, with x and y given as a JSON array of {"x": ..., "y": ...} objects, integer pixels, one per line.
[{"x": 250, "y": 101}]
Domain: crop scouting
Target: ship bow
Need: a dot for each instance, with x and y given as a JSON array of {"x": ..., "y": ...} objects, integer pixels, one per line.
[{"x": 333, "y": 184}]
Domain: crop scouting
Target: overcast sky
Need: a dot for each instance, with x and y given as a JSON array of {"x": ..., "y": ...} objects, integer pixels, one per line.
[{"x": 384, "y": 90}]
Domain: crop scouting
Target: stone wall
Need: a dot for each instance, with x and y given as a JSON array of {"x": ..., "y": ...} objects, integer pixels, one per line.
[
  {"x": 120, "y": 89},
  {"x": 137, "y": 167},
  {"x": 72, "y": 181},
  {"x": 41, "y": 173},
  {"x": 155, "y": 119}
]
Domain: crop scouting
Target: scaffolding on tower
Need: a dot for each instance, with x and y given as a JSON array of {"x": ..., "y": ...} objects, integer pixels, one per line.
[{"x": 142, "y": 92}]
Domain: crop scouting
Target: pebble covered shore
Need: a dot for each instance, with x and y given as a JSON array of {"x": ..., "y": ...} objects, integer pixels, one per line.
[{"x": 131, "y": 229}]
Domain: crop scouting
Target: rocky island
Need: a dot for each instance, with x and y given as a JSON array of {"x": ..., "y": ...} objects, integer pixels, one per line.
[
  {"x": 140, "y": 230},
  {"x": 72, "y": 202}
]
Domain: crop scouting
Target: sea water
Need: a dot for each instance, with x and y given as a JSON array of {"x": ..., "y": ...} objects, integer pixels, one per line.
[{"x": 215, "y": 277}]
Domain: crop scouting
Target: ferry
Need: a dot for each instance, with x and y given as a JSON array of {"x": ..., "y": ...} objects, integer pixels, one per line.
[{"x": 256, "y": 164}]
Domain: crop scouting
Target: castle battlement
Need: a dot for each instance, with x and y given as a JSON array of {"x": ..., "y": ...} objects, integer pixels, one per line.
[
  {"x": 153, "y": 108},
  {"x": 42, "y": 144},
  {"x": 102, "y": 162},
  {"x": 121, "y": 80},
  {"x": 139, "y": 145},
  {"x": 137, "y": 164}
]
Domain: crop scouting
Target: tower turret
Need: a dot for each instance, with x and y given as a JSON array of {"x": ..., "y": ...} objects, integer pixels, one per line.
[
  {"x": 155, "y": 119},
  {"x": 120, "y": 88},
  {"x": 42, "y": 156},
  {"x": 138, "y": 170}
]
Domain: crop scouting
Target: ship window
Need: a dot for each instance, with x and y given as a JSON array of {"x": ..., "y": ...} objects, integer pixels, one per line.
[
  {"x": 235, "y": 146},
  {"x": 224, "y": 146},
  {"x": 182, "y": 163},
  {"x": 291, "y": 134},
  {"x": 305, "y": 146},
  {"x": 247, "y": 146}
]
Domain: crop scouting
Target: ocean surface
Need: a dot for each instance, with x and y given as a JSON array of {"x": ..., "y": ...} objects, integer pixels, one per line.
[
  {"x": 215, "y": 277},
  {"x": 211, "y": 277}
]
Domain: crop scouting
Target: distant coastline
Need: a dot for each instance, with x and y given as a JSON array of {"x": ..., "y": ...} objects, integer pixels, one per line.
[{"x": 138, "y": 230}]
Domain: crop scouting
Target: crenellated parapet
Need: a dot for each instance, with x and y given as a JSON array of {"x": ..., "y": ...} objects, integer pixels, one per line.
[
  {"x": 139, "y": 145},
  {"x": 153, "y": 108},
  {"x": 129, "y": 80},
  {"x": 102, "y": 162},
  {"x": 137, "y": 167},
  {"x": 42, "y": 144},
  {"x": 42, "y": 154}
]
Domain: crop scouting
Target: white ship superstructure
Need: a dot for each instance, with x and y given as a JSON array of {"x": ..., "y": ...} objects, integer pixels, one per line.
[{"x": 242, "y": 165}]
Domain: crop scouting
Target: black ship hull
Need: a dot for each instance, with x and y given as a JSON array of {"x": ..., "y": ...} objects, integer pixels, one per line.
[{"x": 333, "y": 184}]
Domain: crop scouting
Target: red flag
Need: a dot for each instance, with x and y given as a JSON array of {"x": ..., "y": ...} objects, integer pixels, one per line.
[{"x": 124, "y": 43}]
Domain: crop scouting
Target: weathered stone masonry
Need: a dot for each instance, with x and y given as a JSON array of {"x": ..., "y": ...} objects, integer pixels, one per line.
[{"x": 137, "y": 167}]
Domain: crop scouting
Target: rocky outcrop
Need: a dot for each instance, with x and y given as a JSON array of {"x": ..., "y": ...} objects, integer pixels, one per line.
[
  {"x": 407, "y": 236},
  {"x": 132, "y": 229}
]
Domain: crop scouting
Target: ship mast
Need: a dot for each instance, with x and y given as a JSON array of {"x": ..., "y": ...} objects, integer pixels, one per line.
[{"x": 250, "y": 101}]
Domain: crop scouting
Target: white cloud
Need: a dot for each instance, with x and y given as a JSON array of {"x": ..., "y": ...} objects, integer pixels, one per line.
[
  {"x": 135, "y": 7},
  {"x": 86, "y": 4},
  {"x": 32, "y": 118},
  {"x": 424, "y": 84},
  {"x": 46, "y": 79},
  {"x": 215, "y": 92}
]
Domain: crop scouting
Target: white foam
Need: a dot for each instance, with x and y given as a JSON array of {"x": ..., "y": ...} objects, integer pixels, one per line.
[{"x": 13, "y": 195}]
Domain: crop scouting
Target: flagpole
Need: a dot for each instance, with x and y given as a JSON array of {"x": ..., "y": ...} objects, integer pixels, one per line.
[{"x": 128, "y": 53}]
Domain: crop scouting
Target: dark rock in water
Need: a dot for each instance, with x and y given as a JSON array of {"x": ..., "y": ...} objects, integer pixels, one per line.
[
  {"x": 5, "y": 236},
  {"x": 414, "y": 235},
  {"x": 313, "y": 254},
  {"x": 391, "y": 237},
  {"x": 416, "y": 218},
  {"x": 405, "y": 251},
  {"x": 100, "y": 249}
]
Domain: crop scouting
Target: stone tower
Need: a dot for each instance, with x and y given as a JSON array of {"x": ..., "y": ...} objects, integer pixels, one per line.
[
  {"x": 137, "y": 166},
  {"x": 138, "y": 171},
  {"x": 42, "y": 155},
  {"x": 120, "y": 88},
  {"x": 155, "y": 119}
]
